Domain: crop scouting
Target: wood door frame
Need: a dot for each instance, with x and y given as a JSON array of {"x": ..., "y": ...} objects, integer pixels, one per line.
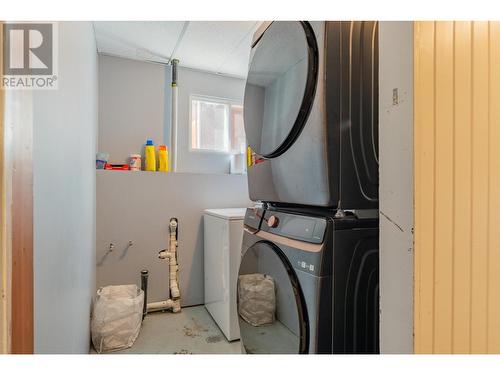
[
  {"x": 22, "y": 318},
  {"x": 17, "y": 222},
  {"x": 4, "y": 251}
]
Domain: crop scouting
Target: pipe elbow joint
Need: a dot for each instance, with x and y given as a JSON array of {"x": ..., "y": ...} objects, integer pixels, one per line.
[{"x": 175, "y": 293}]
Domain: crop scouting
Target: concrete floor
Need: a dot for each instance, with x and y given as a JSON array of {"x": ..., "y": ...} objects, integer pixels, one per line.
[{"x": 192, "y": 331}]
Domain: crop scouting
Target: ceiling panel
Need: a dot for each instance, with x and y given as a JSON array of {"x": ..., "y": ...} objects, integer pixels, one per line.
[
  {"x": 215, "y": 46},
  {"x": 237, "y": 62},
  {"x": 207, "y": 45},
  {"x": 137, "y": 39}
]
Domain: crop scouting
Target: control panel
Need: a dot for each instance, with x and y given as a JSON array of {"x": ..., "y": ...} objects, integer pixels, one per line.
[{"x": 299, "y": 227}]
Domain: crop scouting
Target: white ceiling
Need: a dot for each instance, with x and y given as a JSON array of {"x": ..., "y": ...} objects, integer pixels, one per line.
[{"x": 220, "y": 47}]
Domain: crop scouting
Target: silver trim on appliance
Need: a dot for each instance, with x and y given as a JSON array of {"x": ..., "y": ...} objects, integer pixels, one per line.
[{"x": 299, "y": 245}]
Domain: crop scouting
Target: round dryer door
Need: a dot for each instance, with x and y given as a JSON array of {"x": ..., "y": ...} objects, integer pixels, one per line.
[
  {"x": 280, "y": 86},
  {"x": 271, "y": 309}
]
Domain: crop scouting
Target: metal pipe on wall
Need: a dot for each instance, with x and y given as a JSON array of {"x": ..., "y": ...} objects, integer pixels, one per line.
[
  {"x": 144, "y": 287},
  {"x": 173, "y": 138}
]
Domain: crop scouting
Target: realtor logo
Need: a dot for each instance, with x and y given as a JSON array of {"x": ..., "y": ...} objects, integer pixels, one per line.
[{"x": 29, "y": 55}]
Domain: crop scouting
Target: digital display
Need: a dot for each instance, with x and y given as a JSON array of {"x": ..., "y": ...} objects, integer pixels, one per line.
[{"x": 298, "y": 227}]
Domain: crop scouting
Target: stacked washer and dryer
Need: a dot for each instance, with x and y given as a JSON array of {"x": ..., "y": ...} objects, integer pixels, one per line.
[{"x": 311, "y": 119}]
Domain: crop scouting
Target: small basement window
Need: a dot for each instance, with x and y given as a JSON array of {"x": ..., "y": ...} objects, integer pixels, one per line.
[{"x": 217, "y": 125}]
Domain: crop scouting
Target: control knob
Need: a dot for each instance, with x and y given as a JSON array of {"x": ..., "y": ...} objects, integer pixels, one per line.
[{"x": 272, "y": 221}]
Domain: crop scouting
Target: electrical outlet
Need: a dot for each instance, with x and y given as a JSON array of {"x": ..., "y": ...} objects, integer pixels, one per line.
[{"x": 395, "y": 97}]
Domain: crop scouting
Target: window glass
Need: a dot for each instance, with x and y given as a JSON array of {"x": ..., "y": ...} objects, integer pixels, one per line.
[
  {"x": 217, "y": 125},
  {"x": 210, "y": 125}
]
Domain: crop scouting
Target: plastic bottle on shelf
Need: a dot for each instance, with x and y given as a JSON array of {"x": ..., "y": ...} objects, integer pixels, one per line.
[
  {"x": 250, "y": 157},
  {"x": 135, "y": 162},
  {"x": 162, "y": 158},
  {"x": 150, "y": 156}
]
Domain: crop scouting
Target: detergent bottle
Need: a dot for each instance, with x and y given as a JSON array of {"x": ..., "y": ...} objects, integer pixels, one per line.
[
  {"x": 250, "y": 157},
  {"x": 162, "y": 158},
  {"x": 150, "y": 157}
]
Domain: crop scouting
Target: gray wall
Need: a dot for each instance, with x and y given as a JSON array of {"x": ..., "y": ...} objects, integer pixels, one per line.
[
  {"x": 396, "y": 187},
  {"x": 202, "y": 83},
  {"x": 135, "y": 104},
  {"x": 137, "y": 206},
  {"x": 64, "y": 144},
  {"x": 132, "y": 105}
]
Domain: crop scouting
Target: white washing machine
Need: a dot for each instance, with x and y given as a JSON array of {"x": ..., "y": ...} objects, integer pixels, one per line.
[{"x": 223, "y": 233}]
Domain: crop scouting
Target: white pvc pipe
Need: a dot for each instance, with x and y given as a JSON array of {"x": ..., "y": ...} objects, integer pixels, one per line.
[
  {"x": 162, "y": 305},
  {"x": 170, "y": 255},
  {"x": 174, "y": 128},
  {"x": 169, "y": 304}
]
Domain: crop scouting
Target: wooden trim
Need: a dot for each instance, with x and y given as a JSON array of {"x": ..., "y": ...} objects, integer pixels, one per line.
[
  {"x": 22, "y": 239},
  {"x": 20, "y": 157},
  {"x": 4, "y": 262}
]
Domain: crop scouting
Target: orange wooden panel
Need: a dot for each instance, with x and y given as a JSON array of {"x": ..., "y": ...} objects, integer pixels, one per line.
[
  {"x": 457, "y": 179},
  {"x": 443, "y": 189},
  {"x": 480, "y": 44},
  {"x": 424, "y": 186},
  {"x": 463, "y": 189},
  {"x": 494, "y": 192}
]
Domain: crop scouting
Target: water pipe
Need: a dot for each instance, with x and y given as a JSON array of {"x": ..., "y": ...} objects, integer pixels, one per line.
[{"x": 170, "y": 254}]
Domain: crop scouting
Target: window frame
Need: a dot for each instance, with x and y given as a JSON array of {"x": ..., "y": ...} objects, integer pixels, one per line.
[{"x": 214, "y": 99}]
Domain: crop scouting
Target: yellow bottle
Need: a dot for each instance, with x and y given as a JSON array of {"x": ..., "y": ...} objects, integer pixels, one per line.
[
  {"x": 162, "y": 158},
  {"x": 249, "y": 157},
  {"x": 149, "y": 153}
]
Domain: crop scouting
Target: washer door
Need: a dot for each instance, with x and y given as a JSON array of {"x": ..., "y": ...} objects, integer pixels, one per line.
[
  {"x": 271, "y": 309},
  {"x": 280, "y": 86}
]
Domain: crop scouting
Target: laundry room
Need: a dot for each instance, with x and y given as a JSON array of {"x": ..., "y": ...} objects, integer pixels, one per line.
[
  {"x": 238, "y": 208},
  {"x": 241, "y": 235},
  {"x": 241, "y": 187}
]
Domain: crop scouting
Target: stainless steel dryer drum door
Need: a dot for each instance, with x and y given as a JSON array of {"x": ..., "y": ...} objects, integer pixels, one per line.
[
  {"x": 288, "y": 333},
  {"x": 280, "y": 86},
  {"x": 311, "y": 114}
]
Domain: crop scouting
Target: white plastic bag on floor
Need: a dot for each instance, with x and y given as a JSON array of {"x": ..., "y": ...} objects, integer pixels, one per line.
[
  {"x": 117, "y": 317},
  {"x": 256, "y": 299}
]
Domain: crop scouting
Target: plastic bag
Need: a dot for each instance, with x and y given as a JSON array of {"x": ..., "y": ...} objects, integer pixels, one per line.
[
  {"x": 117, "y": 317},
  {"x": 257, "y": 299}
]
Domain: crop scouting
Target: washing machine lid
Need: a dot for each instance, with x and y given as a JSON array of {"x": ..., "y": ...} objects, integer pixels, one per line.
[
  {"x": 272, "y": 312},
  {"x": 227, "y": 213},
  {"x": 280, "y": 87}
]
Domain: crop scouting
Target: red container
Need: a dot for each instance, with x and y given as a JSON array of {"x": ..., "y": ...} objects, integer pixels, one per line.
[{"x": 117, "y": 167}]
